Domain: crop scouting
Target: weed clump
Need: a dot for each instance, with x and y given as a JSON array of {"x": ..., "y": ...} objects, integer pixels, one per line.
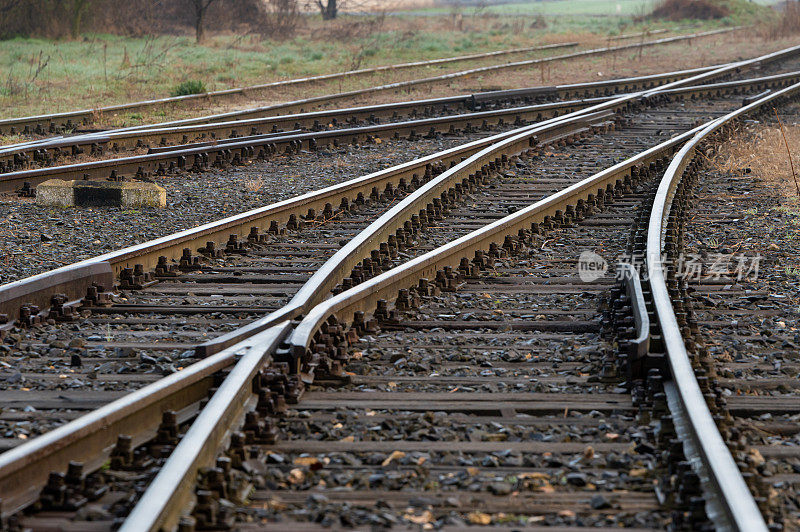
[{"x": 189, "y": 87}]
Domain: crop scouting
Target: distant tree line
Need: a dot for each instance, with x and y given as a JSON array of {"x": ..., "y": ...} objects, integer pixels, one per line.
[{"x": 69, "y": 18}]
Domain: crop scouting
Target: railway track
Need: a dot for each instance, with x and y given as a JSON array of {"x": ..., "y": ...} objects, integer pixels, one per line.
[
  {"x": 38, "y": 291},
  {"x": 517, "y": 195},
  {"x": 737, "y": 309},
  {"x": 438, "y": 468},
  {"x": 235, "y": 151},
  {"x": 161, "y": 136},
  {"x": 161, "y": 148},
  {"x": 53, "y": 123}
]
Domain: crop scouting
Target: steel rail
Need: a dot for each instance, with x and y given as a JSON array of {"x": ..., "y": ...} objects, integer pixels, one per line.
[
  {"x": 157, "y": 509},
  {"x": 73, "y": 280},
  {"x": 473, "y": 102},
  {"x": 86, "y": 115},
  {"x": 145, "y": 395},
  {"x": 364, "y": 297},
  {"x": 125, "y": 137},
  {"x": 24, "y": 469},
  {"x": 39, "y": 288},
  {"x": 300, "y": 105},
  {"x": 357, "y": 248},
  {"x": 160, "y": 507},
  {"x": 739, "y": 510},
  {"x": 178, "y": 156},
  {"x": 318, "y": 287},
  {"x": 225, "y": 409},
  {"x": 228, "y": 132},
  {"x": 137, "y": 414},
  {"x": 638, "y": 34}
]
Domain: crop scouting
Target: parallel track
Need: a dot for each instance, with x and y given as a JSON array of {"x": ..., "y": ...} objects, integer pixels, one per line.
[
  {"x": 53, "y": 123},
  {"x": 47, "y": 152}
]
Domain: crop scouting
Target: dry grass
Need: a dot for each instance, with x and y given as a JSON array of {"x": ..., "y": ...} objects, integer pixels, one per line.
[
  {"x": 784, "y": 25},
  {"x": 761, "y": 153},
  {"x": 254, "y": 185}
]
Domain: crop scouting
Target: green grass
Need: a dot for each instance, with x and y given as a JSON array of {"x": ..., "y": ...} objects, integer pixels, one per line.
[
  {"x": 576, "y": 7},
  {"x": 186, "y": 88},
  {"x": 115, "y": 69},
  {"x": 606, "y": 16}
]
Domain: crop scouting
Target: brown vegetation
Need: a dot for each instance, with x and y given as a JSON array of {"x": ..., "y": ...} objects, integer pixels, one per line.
[
  {"x": 690, "y": 9},
  {"x": 56, "y": 19},
  {"x": 788, "y": 23},
  {"x": 763, "y": 152}
]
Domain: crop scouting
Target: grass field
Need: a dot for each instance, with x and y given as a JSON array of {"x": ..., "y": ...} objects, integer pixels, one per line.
[{"x": 566, "y": 8}]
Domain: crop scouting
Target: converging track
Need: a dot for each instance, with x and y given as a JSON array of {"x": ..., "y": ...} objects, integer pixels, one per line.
[{"x": 493, "y": 390}]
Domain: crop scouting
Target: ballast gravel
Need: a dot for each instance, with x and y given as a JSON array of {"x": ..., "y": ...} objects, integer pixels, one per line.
[{"x": 36, "y": 239}]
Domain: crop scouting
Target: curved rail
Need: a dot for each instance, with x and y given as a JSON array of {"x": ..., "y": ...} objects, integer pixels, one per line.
[
  {"x": 159, "y": 506},
  {"x": 226, "y": 135},
  {"x": 155, "y": 510},
  {"x": 245, "y": 147},
  {"x": 581, "y": 190},
  {"x": 38, "y": 289},
  {"x": 136, "y": 413},
  {"x": 738, "y": 508}
]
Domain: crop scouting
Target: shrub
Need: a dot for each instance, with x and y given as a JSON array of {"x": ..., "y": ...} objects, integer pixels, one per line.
[
  {"x": 691, "y": 9},
  {"x": 189, "y": 87}
]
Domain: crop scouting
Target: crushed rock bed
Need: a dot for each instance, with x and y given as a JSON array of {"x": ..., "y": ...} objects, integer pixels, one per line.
[
  {"x": 750, "y": 325},
  {"x": 36, "y": 239}
]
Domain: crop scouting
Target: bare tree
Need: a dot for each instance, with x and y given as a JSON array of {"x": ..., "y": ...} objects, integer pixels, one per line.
[
  {"x": 200, "y": 9},
  {"x": 328, "y": 9},
  {"x": 280, "y": 18},
  {"x": 79, "y": 7}
]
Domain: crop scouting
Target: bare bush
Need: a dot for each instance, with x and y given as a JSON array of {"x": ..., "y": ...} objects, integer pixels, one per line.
[
  {"x": 280, "y": 19},
  {"x": 57, "y": 19},
  {"x": 693, "y": 9}
]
